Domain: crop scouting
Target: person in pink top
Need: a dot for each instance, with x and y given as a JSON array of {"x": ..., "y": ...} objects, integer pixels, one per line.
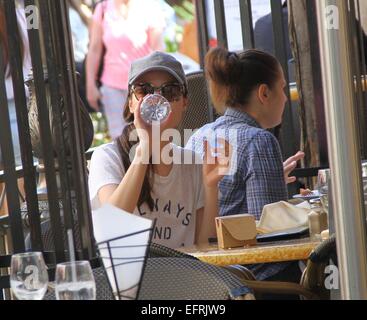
[{"x": 127, "y": 30}]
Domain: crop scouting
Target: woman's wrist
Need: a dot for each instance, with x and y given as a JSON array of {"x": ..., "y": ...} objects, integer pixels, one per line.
[
  {"x": 142, "y": 154},
  {"x": 211, "y": 190},
  {"x": 91, "y": 84}
]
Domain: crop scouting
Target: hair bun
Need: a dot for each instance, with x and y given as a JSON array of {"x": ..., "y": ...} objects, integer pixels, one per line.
[
  {"x": 233, "y": 56},
  {"x": 234, "y": 67},
  {"x": 223, "y": 66},
  {"x": 233, "y": 76}
]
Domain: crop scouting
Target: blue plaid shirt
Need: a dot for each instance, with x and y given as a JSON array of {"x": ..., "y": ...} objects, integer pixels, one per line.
[{"x": 257, "y": 176}]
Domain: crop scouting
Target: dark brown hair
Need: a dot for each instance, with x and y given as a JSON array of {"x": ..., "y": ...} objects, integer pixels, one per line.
[
  {"x": 125, "y": 145},
  {"x": 232, "y": 77}
]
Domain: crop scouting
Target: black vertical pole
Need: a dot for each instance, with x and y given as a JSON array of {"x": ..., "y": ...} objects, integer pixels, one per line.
[
  {"x": 10, "y": 176},
  {"x": 29, "y": 171},
  {"x": 57, "y": 101},
  {"x": 317, "y": 82},
  {"x": 287, "y": 137},
  {"x": 60, "y": 14},
  {"x": 46, "y": 137},
  {"x": 246, "y": 24},
  {"x": 360, "y": 59},
  {"x": 220, "y": 22},
  {"x": 202, "y": 27}
]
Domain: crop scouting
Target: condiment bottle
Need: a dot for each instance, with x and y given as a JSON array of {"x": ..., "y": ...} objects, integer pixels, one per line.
[{"x": 317, "y": 220}]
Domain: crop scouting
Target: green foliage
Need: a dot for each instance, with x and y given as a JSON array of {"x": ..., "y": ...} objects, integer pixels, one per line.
[
  {"x": 101, "y": 135},
  {"x": 185, "y": 12},
  {"x": 173, "y": 45}
]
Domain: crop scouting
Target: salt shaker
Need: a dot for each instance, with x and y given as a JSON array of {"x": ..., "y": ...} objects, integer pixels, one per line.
[
  {"x": 155, "y": 108},
  {"x": 317, "y": 220}
]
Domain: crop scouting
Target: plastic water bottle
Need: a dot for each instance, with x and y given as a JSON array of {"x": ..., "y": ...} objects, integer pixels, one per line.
[{"x": 155, "y": 108}]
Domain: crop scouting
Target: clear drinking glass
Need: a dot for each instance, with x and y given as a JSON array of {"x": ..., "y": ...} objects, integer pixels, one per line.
[
  {"x": 155, "y": 108},
  {"x": 323, "y": 182},
  {"x": 28, "y": 276},
  {"x": 75, "y": 281}
]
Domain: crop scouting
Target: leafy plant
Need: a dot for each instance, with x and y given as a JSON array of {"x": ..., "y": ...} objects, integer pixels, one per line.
[
  {"x": 185, "y": 12},
  {"x": 101, "y": 135}
]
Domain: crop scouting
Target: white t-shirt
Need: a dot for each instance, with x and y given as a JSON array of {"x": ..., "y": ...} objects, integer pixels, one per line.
[{"x": 177, "y": 197}]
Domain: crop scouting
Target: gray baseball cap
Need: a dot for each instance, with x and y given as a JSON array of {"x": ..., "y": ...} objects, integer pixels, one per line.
[{"x": 157, "y": 61}]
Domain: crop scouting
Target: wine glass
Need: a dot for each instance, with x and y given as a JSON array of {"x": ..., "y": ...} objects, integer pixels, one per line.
[
  {"x": 323, "y": 182},
  {"x": 28, "y": 276},
  {"x": 75, "y": 281}
]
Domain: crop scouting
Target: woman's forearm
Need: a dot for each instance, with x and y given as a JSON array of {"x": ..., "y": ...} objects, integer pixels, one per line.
[
  {"x": 127, "y": 194},
  {"x": 92, "y": 66},
  {"x": 207, "y": 228}
]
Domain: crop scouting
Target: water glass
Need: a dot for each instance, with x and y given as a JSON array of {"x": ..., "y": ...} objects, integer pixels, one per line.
[
  {"x": 75, "y": 281},
  {"x": 28, "y": 276}
]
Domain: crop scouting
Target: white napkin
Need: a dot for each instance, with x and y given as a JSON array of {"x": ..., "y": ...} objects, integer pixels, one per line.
[
  {"x": 109, "y": 223},
  {"x": 283, "y": 215}
]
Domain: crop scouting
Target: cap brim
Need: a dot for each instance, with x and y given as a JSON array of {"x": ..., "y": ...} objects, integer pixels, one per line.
[{"x": 157, "y": 68}]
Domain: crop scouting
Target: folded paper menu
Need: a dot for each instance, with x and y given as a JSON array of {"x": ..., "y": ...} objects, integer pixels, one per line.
[
  {"x": 128, "y": 250},
  {"x": 282, "y": 215},
  {"x": 235, "y": 231}
]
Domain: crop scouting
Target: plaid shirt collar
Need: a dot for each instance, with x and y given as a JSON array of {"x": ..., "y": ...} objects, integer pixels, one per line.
[{"x": 242, "y": 116}]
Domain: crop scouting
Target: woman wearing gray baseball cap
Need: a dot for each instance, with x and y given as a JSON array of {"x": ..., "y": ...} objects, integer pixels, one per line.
[{"x": 132, "y": 173}]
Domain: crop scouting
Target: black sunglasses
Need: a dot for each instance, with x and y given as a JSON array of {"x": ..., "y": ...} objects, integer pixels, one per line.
[{"x": 171, "y": 91}]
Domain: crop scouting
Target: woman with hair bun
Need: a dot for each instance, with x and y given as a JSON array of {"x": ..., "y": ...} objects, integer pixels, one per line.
[{"x": 249, "y": 88}]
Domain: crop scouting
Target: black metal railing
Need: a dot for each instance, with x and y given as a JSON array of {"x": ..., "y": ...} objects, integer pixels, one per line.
[{"x": 61, "y": 135}]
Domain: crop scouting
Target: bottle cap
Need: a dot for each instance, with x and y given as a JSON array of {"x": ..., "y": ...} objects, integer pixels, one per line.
[{"x": 155, "y": 108}]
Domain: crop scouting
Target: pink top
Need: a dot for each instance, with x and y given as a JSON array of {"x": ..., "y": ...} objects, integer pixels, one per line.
[{"x": 125, "y": 39}]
